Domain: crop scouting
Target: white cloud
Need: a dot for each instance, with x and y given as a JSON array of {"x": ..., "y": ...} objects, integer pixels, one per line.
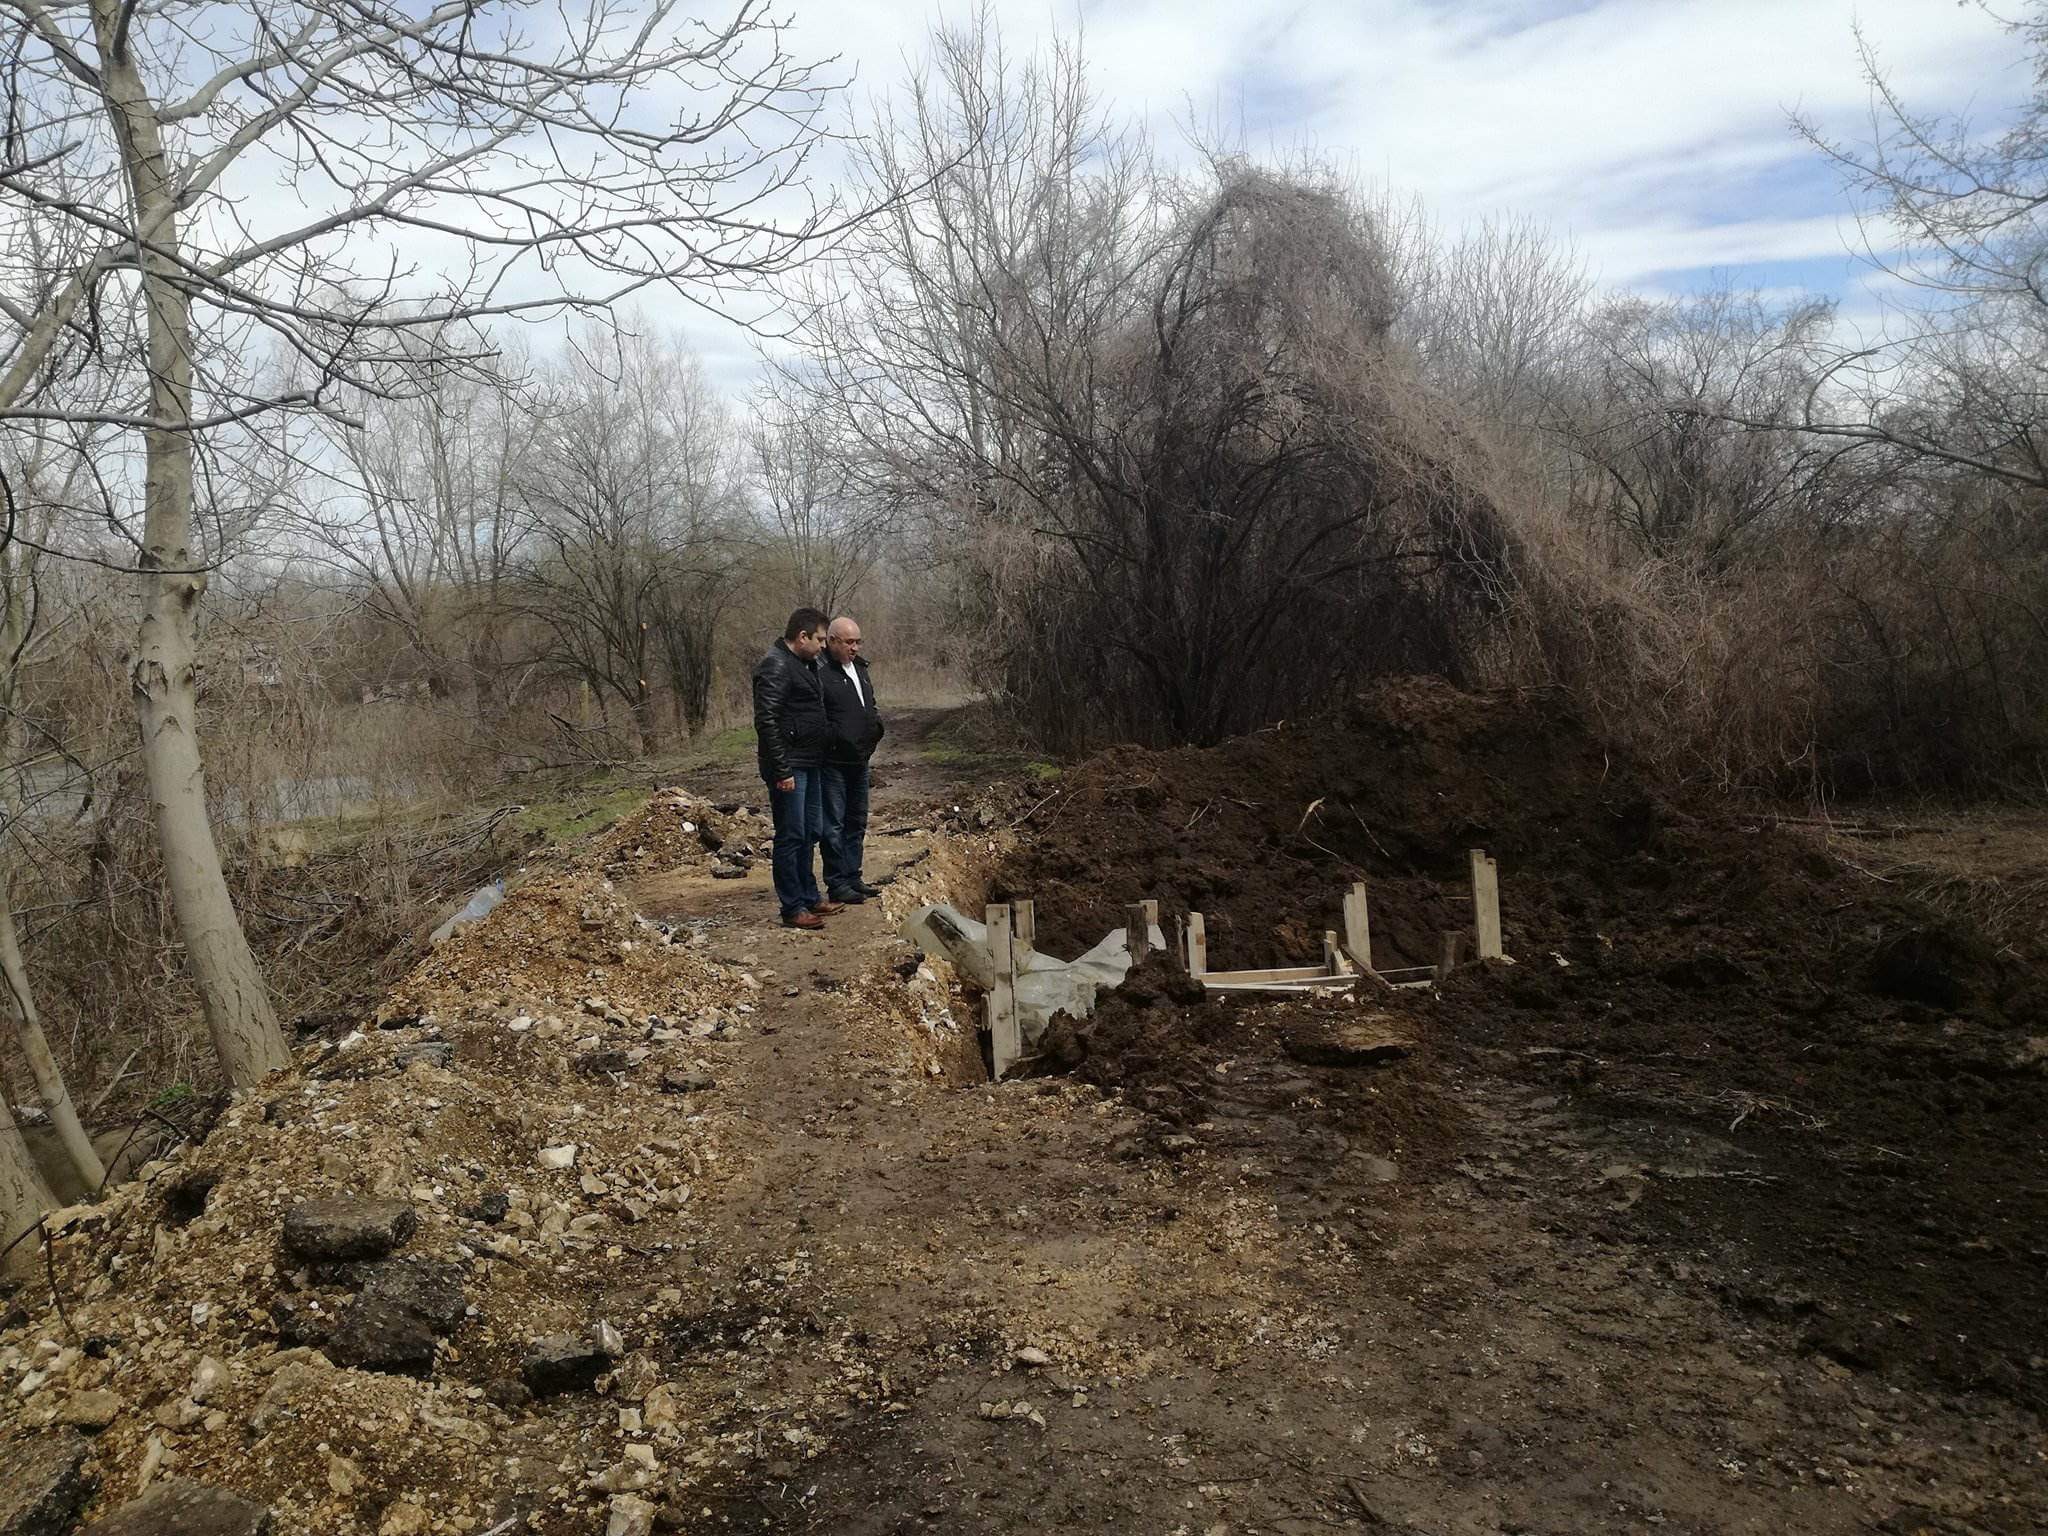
[{"x": 1649, "y": 130}]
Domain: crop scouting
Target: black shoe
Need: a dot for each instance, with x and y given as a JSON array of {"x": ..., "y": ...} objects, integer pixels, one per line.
[{"x": 852, "y": 897}]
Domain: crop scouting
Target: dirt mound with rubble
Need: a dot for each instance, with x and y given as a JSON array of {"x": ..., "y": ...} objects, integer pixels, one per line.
[
  {"x": 405, "y": 1287},
  {"x": 1871, "y": 1074}
]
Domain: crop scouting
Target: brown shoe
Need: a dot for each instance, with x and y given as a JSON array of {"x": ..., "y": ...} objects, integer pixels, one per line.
[
  {"x": 827, "y": 908},
  {"x": 802, "y": 920}
]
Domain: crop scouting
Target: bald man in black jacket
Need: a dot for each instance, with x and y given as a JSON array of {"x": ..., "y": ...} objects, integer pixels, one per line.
[{"x": 854, "y": 729}]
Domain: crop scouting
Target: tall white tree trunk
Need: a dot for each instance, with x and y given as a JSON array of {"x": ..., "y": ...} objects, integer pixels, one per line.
[
  {"x": 23, "y": 1194},
  {"x": 163, "y": 667}
]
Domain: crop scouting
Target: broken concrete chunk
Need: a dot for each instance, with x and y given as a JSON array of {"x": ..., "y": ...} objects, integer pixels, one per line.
[
  {"x": 563, "y": 1156},
  {"x": 174, "y": 1508},
  {"x": 570, "y": 1362},
  {"x": 435, "y": 1053},
  {"x": 376, "y": 1335},
  {"x": 1344, "y": 1044},
  {"x": 44, "y": 1485},
  {"x": 90, "y": 1410},
  {"x": 491, "y": 1208},
  {"x": 333, "y": 1231},
  {"x": 206, "y": 1378},
  {"x": 393, "y": 1325},
  {"x": 429, "y": 1289},
  {"x": 630, "y": 1517}
]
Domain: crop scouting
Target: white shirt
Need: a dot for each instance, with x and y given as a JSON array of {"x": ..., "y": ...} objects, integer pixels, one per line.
[{"x": 853, "y": 677}]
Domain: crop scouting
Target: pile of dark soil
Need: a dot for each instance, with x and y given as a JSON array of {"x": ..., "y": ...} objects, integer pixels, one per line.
[
  {"x": 1676, "y": 961},
  {"x": 1323, "y": 1077}
]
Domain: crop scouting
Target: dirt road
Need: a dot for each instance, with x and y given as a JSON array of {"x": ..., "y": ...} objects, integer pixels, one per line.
[{"x": 822, "y": 1276}]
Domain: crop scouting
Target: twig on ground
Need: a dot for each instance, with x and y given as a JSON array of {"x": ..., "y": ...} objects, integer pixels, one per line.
[
  {"x": 1368, "y": 832},
  {"x": 50, "y": 1269},
  {"x": 107, "y": 1092}
]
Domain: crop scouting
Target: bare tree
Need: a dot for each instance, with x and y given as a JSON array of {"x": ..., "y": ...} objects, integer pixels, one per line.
[
  {"x": 427, "y": 527},
  {"x": 829, "y": 537},
  {"x": 29, "y": 520},
  {"x": 629, "y": 500},
  {"x": 523, "y": 141},
  {"x": 1017, "y": 213},
  {"x": 1960, "y": 220},
  {"x": 1162, "y": 418},
  {"x": 1652, "y": 424},
  {"x": 24, "y": 1195}
]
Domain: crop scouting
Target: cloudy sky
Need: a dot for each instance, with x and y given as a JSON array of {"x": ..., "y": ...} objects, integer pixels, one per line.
[{"x": 1652, "y": 133}]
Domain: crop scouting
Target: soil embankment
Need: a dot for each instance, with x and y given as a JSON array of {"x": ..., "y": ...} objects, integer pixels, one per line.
[{"x": 1862, "y": 1077}]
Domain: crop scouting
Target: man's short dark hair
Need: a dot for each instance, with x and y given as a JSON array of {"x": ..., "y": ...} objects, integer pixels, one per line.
[{"x": 805, "y": 621}]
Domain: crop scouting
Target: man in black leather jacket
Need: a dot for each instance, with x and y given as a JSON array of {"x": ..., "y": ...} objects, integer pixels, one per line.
[
  {"x": 854, "y": 724},
  {"x": 790, "y": 730}
]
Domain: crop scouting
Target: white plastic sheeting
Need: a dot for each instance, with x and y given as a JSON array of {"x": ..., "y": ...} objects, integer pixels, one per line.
[
  {"x": 479, "y": 907},
  {"x": 1043, "y": 984}
]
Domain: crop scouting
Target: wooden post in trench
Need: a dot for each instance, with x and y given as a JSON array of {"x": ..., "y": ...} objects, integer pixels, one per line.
[
  {"x": 1005, "y": 1036},
  {"x": 1485, "y": 906},
  {"x": 1358, "y": 925},
  {"x": 1138, "y": 930}
]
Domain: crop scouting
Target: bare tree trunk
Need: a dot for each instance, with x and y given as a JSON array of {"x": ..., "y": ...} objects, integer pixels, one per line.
[
  {"x": 23, "y": 1194},
  {"x": 35, "y": 1045},
  {"x": 163, "y": 666},
  {"x": 646, "y": 718}
]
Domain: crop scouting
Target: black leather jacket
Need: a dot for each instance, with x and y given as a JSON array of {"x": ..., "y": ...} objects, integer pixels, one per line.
[
  {"x": 789, "y": 713},
  {"x": 855, "y": 720}
]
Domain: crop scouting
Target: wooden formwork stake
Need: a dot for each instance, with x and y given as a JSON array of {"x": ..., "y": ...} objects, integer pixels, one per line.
[
  {"x": 1005, "y": 1037},
  {"x": 1333, "y": 954},
  {"x": 1198, "y": 945},
  {"x": 1485, "y": 906},
  {"x": 1358, "y": 925},
  {"x": 1023, "y": 929},
  {"x": 1138, "y": 930},
  {"x": 1454, "y": 944}
]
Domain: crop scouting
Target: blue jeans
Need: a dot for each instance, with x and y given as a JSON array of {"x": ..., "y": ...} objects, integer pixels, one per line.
[
  {"x": 799, "y": 820},
  {"x": 846, "y": 826}
]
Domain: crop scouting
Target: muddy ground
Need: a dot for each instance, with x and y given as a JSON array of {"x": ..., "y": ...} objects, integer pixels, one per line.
[
  {"x": 1530, "y": 1275},
  {"x": 1860, "y": 1065}
]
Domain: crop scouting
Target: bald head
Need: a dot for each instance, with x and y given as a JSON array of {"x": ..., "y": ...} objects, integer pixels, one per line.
[{"x": 842, "y": 639}]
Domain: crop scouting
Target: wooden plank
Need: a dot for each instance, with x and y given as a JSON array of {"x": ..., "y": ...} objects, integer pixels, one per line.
[
  {"x": 1280, "y": 973},
  {"x": 1358, "y": 925},
  {"x": 1023, "y": 924},
  {"x": 1298, "y": 984},
  {"x": 1138, "y": 931},
  {"x": 1334, "y": 963},
  {"x": 1198, "y": 945},
  {"x": 1006, "y": 1040},
  {"x": 1286, "y": 989},
  {"x": 1485, "y": 906},
  {"x": 1453, "y": 951}
]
